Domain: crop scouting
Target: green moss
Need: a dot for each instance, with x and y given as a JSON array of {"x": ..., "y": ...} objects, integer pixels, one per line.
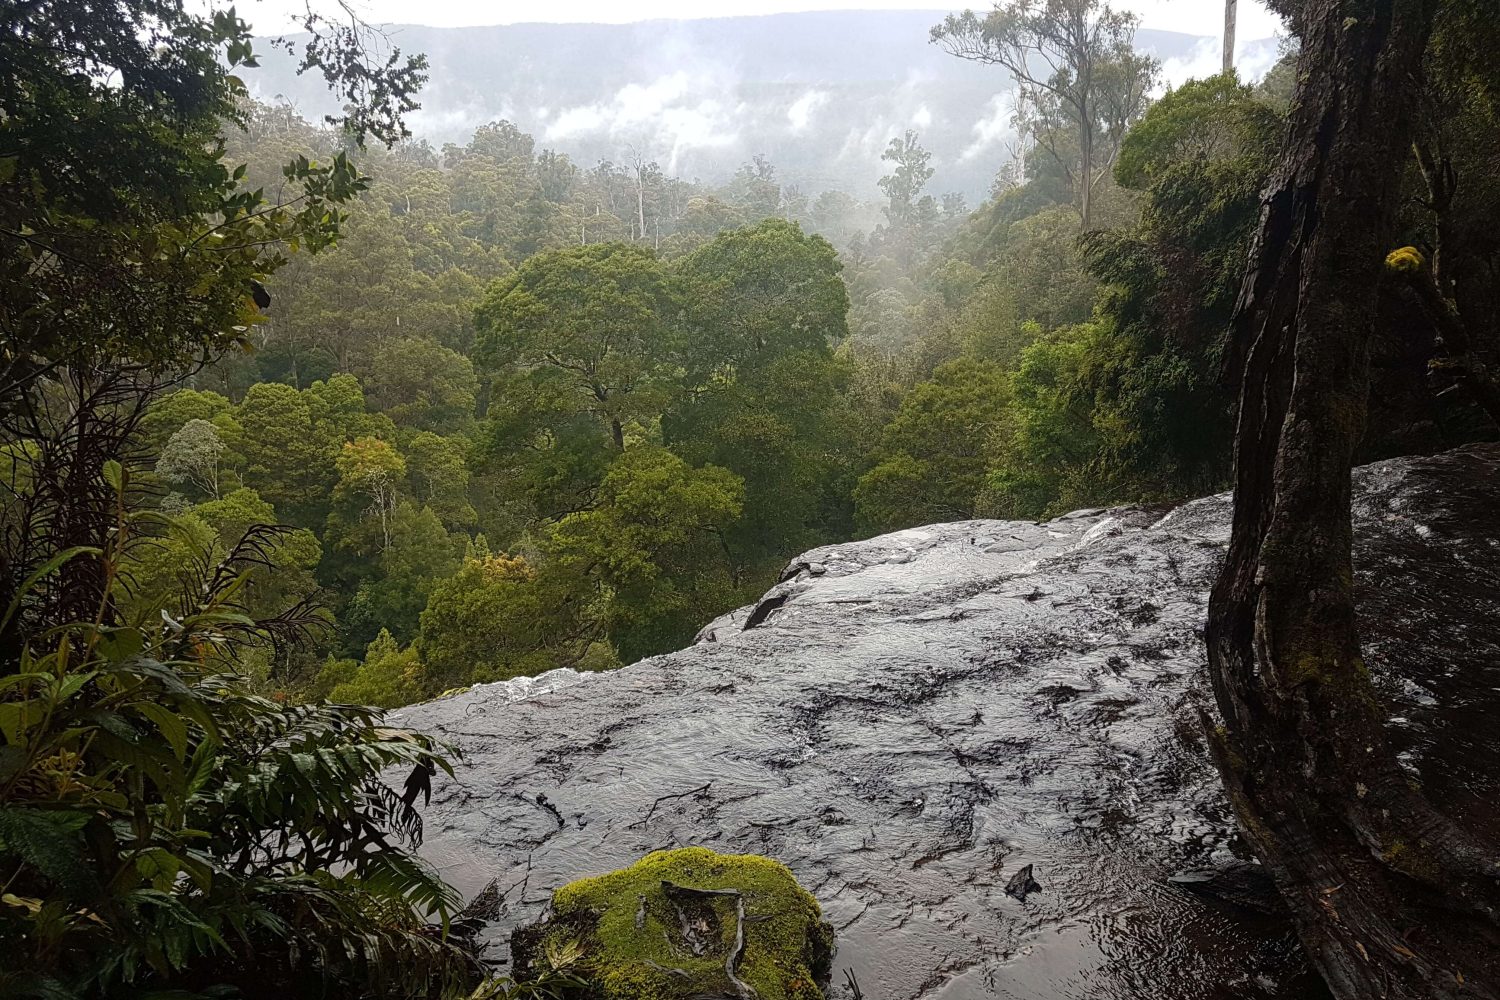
[
  {"x": 1225, "y": 746},
  {"x": 626, "y": 930}
]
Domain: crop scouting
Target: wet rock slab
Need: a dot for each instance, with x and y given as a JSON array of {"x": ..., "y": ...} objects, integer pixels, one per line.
[{"x": 912, "y": 719}]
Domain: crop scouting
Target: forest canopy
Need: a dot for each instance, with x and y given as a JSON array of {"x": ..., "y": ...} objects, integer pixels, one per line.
[{"x": 506, "y": 354}]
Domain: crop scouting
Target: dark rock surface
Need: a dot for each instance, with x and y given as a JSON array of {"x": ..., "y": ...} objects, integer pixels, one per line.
[{"x": 931, "y": 711}]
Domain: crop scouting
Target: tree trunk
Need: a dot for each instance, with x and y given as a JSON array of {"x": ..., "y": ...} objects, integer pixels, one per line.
[
  {"x": 1086, "y": 157},
  {"x": 1389, "y": 897},
  {"x": 1230, "y": 16}
]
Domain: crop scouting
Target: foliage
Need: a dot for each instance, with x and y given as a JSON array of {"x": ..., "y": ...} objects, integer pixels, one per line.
[
  {"x": 933, "y": 454},
  {"x": 593, "y": 320},
  {"x": 763, "y": 307},
  {"x": 371, "y": 470},
  {"x": 498, "y": 617},
  {"x": 655, "y": 545},
  {"x": 191, "y": 457},
  {"x": 422, "y": 385},
  {"x": 1079, "y": 83},
  {"x": 389, "y": 676},
  {"x": 283, "y": 456},
  {"x": 163, "y": 827}
]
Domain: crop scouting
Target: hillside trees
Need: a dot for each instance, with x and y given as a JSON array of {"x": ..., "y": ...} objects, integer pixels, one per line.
[
  {"x": 933, "y": 455},
  {"x": 152, "y": 808},
  {"x": 763, "y": 308},
  {"x": 592, "y": 320},
  {"x": 1080, "y": 84}
]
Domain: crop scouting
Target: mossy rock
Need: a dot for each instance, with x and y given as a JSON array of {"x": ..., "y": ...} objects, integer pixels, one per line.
[{"x": 668, "y": 927}]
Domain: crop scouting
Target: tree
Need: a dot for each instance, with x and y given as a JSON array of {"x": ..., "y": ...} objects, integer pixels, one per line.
[
  {"x": 1079, "y": 82},
  {"x": 909, "y": 175},
  {"x": 1231, "y": 9},
  {"x": 755, "y": 190},
  {"x": 340, "y": 413},
  {"x": 654, "y": 544},
  {"x": 392, "y": 593},
  {"x": 763, "y": 306},
  {"x": 191, "y": 457},
  {"x": 1046, "y": 461},
  {"x": 499, "y": 617},
  {"x": 373, "y": 469},
  {"x": 285, "y": 460},
  {"x": 1210, "y": 121},
  {"x": 167, "y": 414},
  {"x": 597, "y": 319},
  {"x": 933, "y": 455},
  {"x": 154, "y": 808},
  {"x": 439, "y": 477},
  {"x": 422, "y": 385},
  {"x": 1389, "y": 896},
  {"x": 389, "y": 677}
]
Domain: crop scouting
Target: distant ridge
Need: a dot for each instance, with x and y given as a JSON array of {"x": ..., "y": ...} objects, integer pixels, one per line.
[{"x": 819, "y": 93}]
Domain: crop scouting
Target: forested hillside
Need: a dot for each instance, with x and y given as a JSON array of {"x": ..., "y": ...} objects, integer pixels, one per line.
[
  {"x": 527, "y": 414},
  {"x": 819, "y": 92}
]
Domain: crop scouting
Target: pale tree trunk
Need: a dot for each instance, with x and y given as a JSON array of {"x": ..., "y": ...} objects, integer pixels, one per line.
[
  {"x": 1231, "y": 9},
  {"x": 1390, "y": 898},
  {"x": 1086, "y": 155}
]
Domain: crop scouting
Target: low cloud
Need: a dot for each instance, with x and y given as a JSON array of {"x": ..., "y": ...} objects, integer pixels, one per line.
[
  {"x": 1253, "y": 59},
  {"x": 800, "y": 114},
  {"x": 665, "y": 116},
  {"x": 992, "y": 128}
]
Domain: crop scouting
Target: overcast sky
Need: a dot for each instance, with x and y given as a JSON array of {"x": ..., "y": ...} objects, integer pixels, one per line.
[{"x": 1197, "y": 17}]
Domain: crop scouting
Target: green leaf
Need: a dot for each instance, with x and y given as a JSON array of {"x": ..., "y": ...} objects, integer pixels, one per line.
[
  {"x": 49, "y": 841},
  {"x": 169, "y": 723},
  {"x": 16, "y": 717},
  {"x": 47, "y": 569}
]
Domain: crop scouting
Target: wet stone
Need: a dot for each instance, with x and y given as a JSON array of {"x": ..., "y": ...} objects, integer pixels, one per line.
[{"x": 942, "y": 706}]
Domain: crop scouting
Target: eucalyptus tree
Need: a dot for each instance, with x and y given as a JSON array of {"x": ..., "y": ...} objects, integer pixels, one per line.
[{"x": 1080, "y": 83}]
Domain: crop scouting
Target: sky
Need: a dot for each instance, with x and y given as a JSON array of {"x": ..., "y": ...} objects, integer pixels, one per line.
[{"x": 1196, "y": 17}]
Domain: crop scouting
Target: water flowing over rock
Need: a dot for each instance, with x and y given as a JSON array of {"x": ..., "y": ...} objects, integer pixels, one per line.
[{"x": 914, "y": 719}]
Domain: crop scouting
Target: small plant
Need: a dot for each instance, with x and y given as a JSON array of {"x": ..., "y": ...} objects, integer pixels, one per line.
[{"x": 164, "y": 828}]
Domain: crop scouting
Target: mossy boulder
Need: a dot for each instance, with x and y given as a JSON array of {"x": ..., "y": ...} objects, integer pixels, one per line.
[{"x": 685, "y": 923}]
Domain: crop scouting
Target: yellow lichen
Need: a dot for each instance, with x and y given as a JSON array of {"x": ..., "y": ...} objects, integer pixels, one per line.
[{"x": 1406, "y": 260}]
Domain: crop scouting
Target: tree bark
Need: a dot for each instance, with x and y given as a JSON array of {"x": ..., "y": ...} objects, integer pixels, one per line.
[
  {"x": 1389, "y": 897},
  {"x": 1231, "y": 10}
]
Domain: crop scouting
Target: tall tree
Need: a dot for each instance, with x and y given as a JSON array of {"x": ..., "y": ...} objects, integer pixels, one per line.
[
  {"x": 1390, "y": 897},
  {"x": 909, "y": 174},
  {"x": 191, "y": 457},
  {"x": 763, "y": 307},
  {"x": 595, "y": 319},
  {"x": 1080, "y": 84},
  {"x": 1231, "y": 15}
]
